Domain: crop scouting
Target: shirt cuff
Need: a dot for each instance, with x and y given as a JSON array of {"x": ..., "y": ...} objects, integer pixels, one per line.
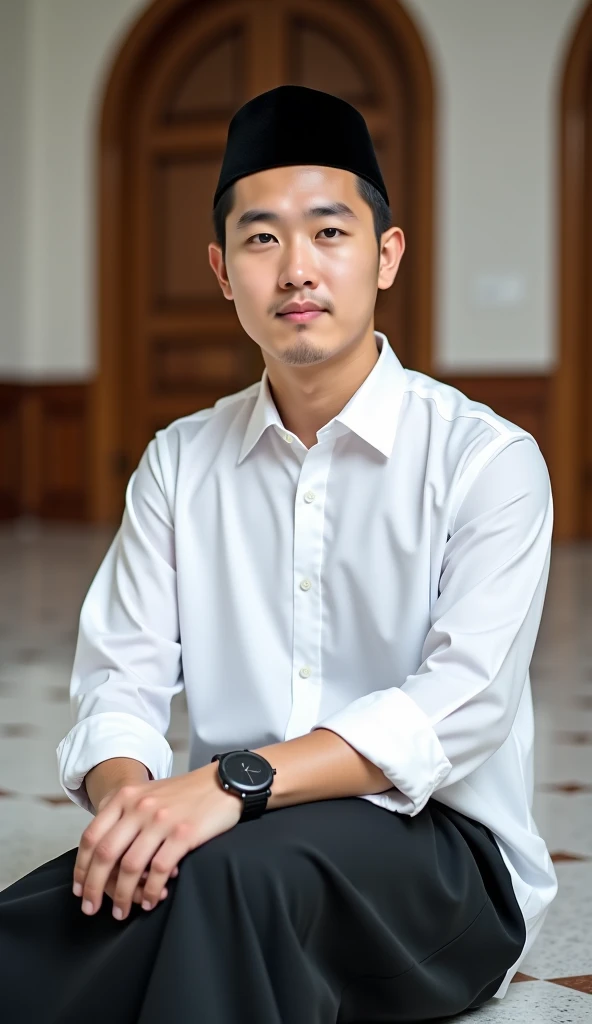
[
  {"x": 390, "y": 729},
  {"x": 105, "y": 735}
]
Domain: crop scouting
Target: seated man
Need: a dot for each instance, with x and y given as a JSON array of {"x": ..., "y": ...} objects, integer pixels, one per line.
[{"x": 345, "y": 566}]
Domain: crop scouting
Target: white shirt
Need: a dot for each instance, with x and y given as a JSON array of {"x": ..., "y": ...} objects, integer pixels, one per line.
[{"x": 386, "y": 584}]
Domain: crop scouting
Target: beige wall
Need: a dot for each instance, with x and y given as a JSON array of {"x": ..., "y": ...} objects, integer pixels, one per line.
[{"x": 496, "y": 66}]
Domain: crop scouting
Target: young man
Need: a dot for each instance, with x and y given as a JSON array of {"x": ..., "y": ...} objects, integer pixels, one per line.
[{"x": 345, "y": 565}]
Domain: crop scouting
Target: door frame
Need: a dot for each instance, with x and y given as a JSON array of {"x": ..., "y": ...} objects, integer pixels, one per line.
[
  {"x": 567, "y": 452},
  {"x": 121, "y": 80}
]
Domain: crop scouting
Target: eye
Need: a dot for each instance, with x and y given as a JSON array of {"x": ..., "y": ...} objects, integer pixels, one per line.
[
  {"x": 266, "y": 235},
  {"x": 262, "y": 234}
]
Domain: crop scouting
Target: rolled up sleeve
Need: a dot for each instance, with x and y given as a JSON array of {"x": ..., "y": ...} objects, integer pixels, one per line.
[
  {"x": 450, "y": 716},
  {"x": 127, "y": 664}
]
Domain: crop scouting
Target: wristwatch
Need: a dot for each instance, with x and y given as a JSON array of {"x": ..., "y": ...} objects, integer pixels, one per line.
[{"x": 248, "y": 774}]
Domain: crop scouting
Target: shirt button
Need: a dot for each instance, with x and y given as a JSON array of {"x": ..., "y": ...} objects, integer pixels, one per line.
[
  {"x": 310, "y": 496},
  {"x": 305, "y": 584},
  {"x": 288, "y": 438},
  {"x": 305, "y": 672}
]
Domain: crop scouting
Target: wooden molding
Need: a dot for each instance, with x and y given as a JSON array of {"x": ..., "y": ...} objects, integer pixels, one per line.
[
  {"x": 521, "y": 398},
  {"x": 11, "y": 457},
  {"x": 44, "y": 450},
  {"x": 46, "y": 438}
]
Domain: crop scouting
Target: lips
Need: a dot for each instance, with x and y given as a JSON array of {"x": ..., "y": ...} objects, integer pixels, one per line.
[
  {"x": 302, "y": 317},
  {"x": 306, "y": 307},
  {"x": 301, "y": 312}
]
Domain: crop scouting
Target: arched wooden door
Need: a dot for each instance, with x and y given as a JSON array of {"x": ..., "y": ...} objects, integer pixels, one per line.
[
  {"x": 571, "y": 453},
  {"x": 169, "y": 342}
]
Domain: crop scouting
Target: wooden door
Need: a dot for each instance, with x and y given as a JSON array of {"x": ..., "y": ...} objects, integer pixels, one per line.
[
  {"x": 170, "y": 343},
  {"x": 585, "y": 377},
  {"x": 571, "y": 408}
]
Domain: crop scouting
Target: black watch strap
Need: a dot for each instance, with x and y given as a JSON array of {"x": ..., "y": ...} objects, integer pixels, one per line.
[{"x": 254, "y": 805}]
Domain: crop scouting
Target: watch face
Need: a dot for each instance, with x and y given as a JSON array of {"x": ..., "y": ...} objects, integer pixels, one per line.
[{"x": 247, "y": 770}]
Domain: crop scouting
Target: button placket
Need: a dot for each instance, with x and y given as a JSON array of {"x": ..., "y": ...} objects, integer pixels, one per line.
[{"x": 308, "y": 549}]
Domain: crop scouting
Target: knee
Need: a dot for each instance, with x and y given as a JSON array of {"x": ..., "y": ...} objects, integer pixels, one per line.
[{"x": 275, "y": 864}]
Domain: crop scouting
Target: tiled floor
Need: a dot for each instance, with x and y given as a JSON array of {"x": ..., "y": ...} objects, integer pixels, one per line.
[{"x": 45, "y": 572}]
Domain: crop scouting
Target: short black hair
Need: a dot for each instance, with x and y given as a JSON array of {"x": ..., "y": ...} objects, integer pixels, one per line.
[{"x": 381, "y": 211}]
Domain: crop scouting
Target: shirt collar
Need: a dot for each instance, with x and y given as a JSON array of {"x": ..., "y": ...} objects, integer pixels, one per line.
[{"x": 372, "y": 411}]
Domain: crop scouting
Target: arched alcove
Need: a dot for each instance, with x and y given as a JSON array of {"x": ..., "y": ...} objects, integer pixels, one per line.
[{"x": 169, "y": 343}]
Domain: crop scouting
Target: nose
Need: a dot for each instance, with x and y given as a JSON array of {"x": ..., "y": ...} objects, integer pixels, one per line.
[{"x": 299, "y": 268}]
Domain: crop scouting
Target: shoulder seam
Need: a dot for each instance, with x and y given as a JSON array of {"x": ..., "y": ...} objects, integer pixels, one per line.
[{"x": 473, "y": 414}]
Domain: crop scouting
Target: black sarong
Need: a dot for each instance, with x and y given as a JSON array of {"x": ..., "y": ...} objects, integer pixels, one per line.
[{"x": 329, "y": 912}]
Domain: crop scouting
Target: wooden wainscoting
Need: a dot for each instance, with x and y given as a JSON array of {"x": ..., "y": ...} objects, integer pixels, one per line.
[
  {"x": 524, "y": 399},
  {"x": 46, "y": 440}
]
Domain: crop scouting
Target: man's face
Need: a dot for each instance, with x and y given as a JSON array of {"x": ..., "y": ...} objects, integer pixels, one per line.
[{"x": 278, "y": 252}]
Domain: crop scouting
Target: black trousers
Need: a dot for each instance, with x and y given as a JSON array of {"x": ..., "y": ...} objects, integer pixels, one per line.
[{"x": 331, "y": 912}]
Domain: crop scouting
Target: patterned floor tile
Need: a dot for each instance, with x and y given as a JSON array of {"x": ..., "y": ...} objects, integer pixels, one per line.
[
  {"x": 563, "y": 948},
  {"x": 533, "y": 1002}
]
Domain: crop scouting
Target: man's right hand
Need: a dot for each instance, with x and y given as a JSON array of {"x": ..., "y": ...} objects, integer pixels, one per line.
[
  {"x": 112, "y": 880},
  {"x": 139, "y": 890},
  {"x": 101, "y": 783}
]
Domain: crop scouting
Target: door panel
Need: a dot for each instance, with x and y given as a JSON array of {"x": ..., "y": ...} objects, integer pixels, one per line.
[
  {"x": 585, "y": 378},
  {"x": 182, "y": 346}
]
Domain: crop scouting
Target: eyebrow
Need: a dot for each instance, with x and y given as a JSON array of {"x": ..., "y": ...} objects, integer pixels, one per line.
[{"x": 331, "y": 210}]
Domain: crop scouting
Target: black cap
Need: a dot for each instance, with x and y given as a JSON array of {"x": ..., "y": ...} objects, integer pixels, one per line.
[{"x": 293, "y": 124}]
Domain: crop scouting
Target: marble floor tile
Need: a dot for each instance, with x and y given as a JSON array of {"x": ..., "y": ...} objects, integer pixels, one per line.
[
  {"x": 37, "y": 822},
  {"x": 532, "y": 1002},
  {"x": 32, "y": 833},
  {"x": 563, "y": 762},
  {"x": 565, "y": 823},
  {"x": 563, "y": 946}
]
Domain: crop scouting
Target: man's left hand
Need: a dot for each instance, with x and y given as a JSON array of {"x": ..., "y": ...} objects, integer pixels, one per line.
[{"x": 151, "y": 826}]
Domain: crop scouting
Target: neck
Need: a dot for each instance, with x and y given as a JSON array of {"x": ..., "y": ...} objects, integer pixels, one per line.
[{"x": 307, "y": 397}]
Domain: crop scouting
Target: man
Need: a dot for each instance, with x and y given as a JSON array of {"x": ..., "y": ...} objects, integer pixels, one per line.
[{"x": 345, "y": 565}]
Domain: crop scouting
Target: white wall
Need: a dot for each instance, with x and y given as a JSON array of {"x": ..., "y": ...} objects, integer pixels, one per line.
[
  {"x": 496, "y": 66},
  {"x": 13, "y": 31},
  {"x": 69, "y": 47}
]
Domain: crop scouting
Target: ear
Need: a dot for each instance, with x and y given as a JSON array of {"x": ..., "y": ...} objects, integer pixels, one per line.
[
  {"x": 219, "y": 267},
  {"x": 392, "y": 247}
]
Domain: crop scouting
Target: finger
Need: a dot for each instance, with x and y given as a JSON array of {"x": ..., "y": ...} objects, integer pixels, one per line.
[
  {"x": 139, "y": 891},
  {"x": 141, "y": 852},
  {"x": 94, "y": 833},
  {"x": 165, "y": 860},
  {"x": 138, "y": 894},
  {"x": 174, "y": 873},
  {"x": 108, "y": 852}
]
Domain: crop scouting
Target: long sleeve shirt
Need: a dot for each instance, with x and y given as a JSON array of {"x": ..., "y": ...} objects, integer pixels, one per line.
[{"x": 386, "y": 583}]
